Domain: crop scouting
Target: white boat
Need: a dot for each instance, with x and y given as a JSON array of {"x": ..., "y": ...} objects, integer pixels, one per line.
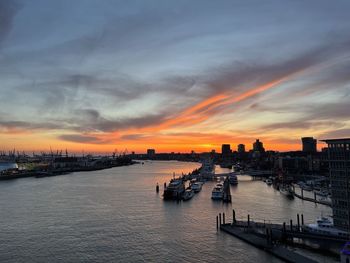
[
  {"x": 196, "y": 187},
  {"x": 287, "y": 191},
  {"x": 268, "y": 182},
  {"x": 325, "y": 226},
  {"x": 218, "y": 192},
  {"x": 233, "y": 179},
  {"x": 188, "y": 194}
]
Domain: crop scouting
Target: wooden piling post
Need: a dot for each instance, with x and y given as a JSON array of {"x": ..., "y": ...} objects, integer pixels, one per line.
[
  {"x": 233, "y": 216},
  {"x": 302, "y": 193},
  {"x": 302, "y": 219},
  {"x": 315, "y": 196},
  {"x": 164, "y": 185},
  {"x": 157, "y": 188},
  {"x": 284, "y": 227},
  {"x": 217, "y": 223},
  {"x": 248, "y": 222},
  {"x": 291, "y": 225},
  {"x": 298, "y": 219},
  {"x": 220, "y": 219},
  {"x": 223, "y": 218}
]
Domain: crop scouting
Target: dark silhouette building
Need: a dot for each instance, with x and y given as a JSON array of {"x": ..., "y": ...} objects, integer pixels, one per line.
[
  {"x": 309, "y": 144},
  {"x": 151, "y": 153},
  {"x": 258, "y": 146},
  {"x": 226, "y": 150},
  {"x": 241, "y": 148},
  {"x": 339, "y": 176}
]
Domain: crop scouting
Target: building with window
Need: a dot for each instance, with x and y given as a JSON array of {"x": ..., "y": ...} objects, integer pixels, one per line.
[{"x": 339, "y": 175}]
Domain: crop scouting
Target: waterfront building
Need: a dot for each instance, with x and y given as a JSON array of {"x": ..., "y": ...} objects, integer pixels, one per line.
[
  {"x": 339, "y": 174},
  {"x": 309, "y": 144},
  {"x": 258, "y": 146},
  {"x": 151, "y": 153},
  {"x": 241, "y": 148}
]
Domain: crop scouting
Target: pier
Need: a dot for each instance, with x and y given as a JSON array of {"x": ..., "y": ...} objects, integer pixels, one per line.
[{"x": 274, "y": 237}]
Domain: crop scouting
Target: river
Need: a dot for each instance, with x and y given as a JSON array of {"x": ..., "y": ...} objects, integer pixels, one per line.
[{"x": 115, "y": 215}]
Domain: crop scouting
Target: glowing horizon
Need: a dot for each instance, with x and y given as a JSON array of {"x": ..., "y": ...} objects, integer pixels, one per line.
[{"x": 100, "y": 76}]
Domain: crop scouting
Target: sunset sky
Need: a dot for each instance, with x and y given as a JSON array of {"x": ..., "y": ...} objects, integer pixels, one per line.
[{"x": 172, "y": 75}]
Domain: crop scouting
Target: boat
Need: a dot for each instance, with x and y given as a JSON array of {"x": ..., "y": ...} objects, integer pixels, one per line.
[
  {"x": 322, "y": 193},
  {"x": 325, "y": 226},
  {"x": 345, "y": 253},
  {"x": 233, "y": 179},
  {"x": 207, "y": 170},
  {"x": 287, "y": 191},
  {"x": 218, "y": 192},
  {"x": 174, "y": 190},
  {"x": 188, "y": 194},
  {"x": 196, "y": 187},
  {"x": 268, "y": 181}
]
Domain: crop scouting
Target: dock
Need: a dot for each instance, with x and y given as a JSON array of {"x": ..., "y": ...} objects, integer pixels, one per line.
[
  {"x": 261, "y": 243},
  {"x": 273, "y": 238}
]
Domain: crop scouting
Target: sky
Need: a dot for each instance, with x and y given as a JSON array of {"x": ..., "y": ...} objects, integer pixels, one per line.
[{"x": 100, "y": 76}]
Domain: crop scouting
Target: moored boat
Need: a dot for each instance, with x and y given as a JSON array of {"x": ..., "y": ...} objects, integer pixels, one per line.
[
  {"x": 174, "y": 190},
  {"x": 233, "y": 179},
  {"x": 287, "y": 191},
  {"x": 196, "y": 187},
  {"x": 218, "y": 192},
  {"x": 325, "y": 226},
  {"x": 188, "y": 194}
]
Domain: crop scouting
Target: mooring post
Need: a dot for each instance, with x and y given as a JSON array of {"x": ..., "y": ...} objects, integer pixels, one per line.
[
  {"x": 302, "y": 193},
  {"x": 220, "y": 219},
  {"x": 164, "y": 185},
  {"x": 291, "y": 225},
  {"x": 298, "y": 219},
  {"x": 315, "y": 196},
  {"x": 217, "y": 223},
  {"x": 248, "y": 222},
  {"x": 157, "y": 188},
  {"x": 284, "y": 227},
  {"x": 233, "y": 216},
  {"x": 302, "y": 219},
  {"x": 223, "y": 218}
]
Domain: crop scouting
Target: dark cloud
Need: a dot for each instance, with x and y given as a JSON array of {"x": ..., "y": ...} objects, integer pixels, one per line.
[
  {"x": 23, "y": 125},
  {"x": 8, "y": 10},
  {"x": 88, "y": 120},
  {"x": 335, "y": 134},
  {"x": 78, "y": 138}
]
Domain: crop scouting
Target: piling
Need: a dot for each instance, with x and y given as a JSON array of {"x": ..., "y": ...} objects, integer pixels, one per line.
[
  {"x": 298, "y": 220},
  {"x": 164, "y": 185},
  {"x": 291, "y": 225},
  {"x": 315, "y": 196},
  {"x": 220, "y": 219},
  {"x": 302, "y": 219},
  {"x": 217, "y": 223},
  {"x": 248, "y": 222},
  {"x": 157, "y": 188},
  {"x": 284, "y": 227},
  {"x": 223, "y": 218},
  {"x": 233, "y": 216},
  {"x": 302, "y": 193}
]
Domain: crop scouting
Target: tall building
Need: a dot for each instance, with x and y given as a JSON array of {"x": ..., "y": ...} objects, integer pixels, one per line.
[
  {"x": 339, "y": 175},
  {"x": 151, "y": 153},
  {"x": 226, "y": 150},
  {"x": 309, "y": 144},
  {"x": 258, "y": 146},
  {"x": 241, "y": 148}
]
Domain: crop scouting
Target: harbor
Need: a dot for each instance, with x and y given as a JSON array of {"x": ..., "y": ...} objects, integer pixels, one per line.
[{"x": 121, "y": 204}]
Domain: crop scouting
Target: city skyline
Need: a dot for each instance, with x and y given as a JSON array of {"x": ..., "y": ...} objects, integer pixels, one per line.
[{"x": 115, "y": 75}]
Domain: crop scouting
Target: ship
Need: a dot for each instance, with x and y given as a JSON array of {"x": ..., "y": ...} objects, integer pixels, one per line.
[{"x": 174, "y": 190}]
